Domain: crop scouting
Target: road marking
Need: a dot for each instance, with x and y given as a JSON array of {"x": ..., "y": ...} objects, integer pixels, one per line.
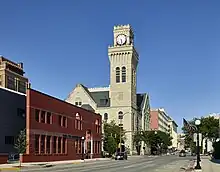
[{"x": 10, "y": 169}]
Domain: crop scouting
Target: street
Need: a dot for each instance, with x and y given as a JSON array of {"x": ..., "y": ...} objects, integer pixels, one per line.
[{"x": 137, "y": 164}]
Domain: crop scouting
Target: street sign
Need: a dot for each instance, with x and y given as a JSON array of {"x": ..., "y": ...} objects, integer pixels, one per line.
[{"x": 195, "y": 138}]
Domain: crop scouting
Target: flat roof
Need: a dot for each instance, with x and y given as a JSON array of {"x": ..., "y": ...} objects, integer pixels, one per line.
[{"x": 13, "y": 91}]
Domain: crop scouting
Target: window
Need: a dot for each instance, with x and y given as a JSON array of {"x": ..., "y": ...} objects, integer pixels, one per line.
[
  {"x": 60, "y": 120},
  {"x": 22, "y": 86},
  {"x": 120, "y": 115},
  {"x": 10, "y": 82},
  {"x": 78, "y": 103},
  {"x": 105, "y": 116},
  {"x": 64, "y": 121},
  {"x": 21, "y": 112},
  {"x": 97, "y": 126},
  {"x": 64, "y": 145},
  {"x": 76, "y": 146},
  {"x": 36, "y": 144},
  {"x": 103, "y": 102},
  {"x": 49, "y": 121},
  {"x": 43, "y": 116},
  {"x": 37, "y": 114},
  {"x": 78, "y": 122},
  {"x": 54, "y": 144},
  {"x": 117, "y": 74},
  {"x": 59, "y": 144},
  {"x": 123, "y": 72},
  {"x": 9, "y": 140},
  {"x": 48, "y": 145},
  {"x": 42, "y": 144}
]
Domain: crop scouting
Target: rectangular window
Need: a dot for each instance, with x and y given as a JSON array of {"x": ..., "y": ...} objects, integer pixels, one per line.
[
  {"x": 37, "y": 115},
  {"x": 43, "y": 116},
  {"x": 64, "y": 122},
  {"x": 76, "y": 146},
  {"x": 64, "y": 145},
  {"x": 22, "y": 86},
  {"x": 99, "y": 146},
  {"x": 103, "y": 102},
  {"x": 80, "y": 146},
  {"x": 59, "y": 144},
  {"x": 48, "y": 145},
  {"x": 54, "y": 144},
  {"x": 9, "y": 140},
  {"x": 76, "y": 124},
  {"x": 49, "y": 121},
  {"x": 60, "y": 120},
  {"x": 36, "y": 144},
  {"x": 76, "y": 103},
  {"x": 80, "y": 103},
  {"x": 10, "y": 82},
  {"x": 42, "y": 144}
]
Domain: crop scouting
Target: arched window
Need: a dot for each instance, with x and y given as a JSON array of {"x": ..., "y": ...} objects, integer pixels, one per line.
[
  {"x": 117, "y": 74},
  {"x": 123, "y": 74},
  {"x": 105, "y": 116},
  {"x": 120, "y": 115}
]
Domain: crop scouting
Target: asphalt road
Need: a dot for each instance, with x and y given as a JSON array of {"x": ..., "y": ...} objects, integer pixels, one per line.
[{"x": 133, "y": 164}]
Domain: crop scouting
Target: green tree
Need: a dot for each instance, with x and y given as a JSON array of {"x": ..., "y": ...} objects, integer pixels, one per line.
[
  {"x": 138, "y": 138},
  {"x": 209, "y": 129},
  {"x": 112, "y": 133},
  {"x": 21, "y": 143}
]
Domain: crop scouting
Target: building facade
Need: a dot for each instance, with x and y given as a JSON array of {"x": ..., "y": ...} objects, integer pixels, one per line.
[
  {"x": 12, "y": 111},
  {"x": 12, "y": 75},
  {"x": 120, "y": 97},
  {"x": 57, "y": 130},
  {"x": 160, "y": 120}
]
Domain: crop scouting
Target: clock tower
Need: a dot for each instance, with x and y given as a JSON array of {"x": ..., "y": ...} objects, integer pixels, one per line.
[{"x": 123, "y": 59}]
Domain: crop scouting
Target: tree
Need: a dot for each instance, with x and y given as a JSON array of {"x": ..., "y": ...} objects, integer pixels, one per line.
[
  {"x": 21, "y": 143},
  {"x": 112, "y": 134},
  {"x": 156, "y": 140},
  {"x": 209, "y": 129},
  {"x": 138, "y": 138}
]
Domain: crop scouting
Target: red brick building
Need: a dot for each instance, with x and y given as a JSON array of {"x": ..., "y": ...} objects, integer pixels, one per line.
[{"x": 55, "y": 129}]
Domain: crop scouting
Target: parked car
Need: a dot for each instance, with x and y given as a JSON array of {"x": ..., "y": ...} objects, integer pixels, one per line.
[
  {"x": 182, "y": 153},
  {"x": 121, "y": 156}
]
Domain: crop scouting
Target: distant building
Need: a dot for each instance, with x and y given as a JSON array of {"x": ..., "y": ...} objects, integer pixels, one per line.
[
  {"x": 12, "y": 75},
  {"x": 181, "y": 141},
  {"x": 56, "y": 130},
  {"x": 12, "y": 111},
  {"x": 120, "y": 97},
  {"x": 160, "y": 120}
]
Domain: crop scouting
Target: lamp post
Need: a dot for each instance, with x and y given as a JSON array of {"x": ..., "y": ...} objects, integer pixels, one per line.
[
  {"x": 120, "y": 117},
  {"x": 82, "y": 147},
  {"x": 197, "y": 123}
]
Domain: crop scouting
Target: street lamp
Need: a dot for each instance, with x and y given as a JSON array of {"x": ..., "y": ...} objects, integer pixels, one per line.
[
  {"x": 82, "y": 147},
  {"x": 197, "y": 123}
]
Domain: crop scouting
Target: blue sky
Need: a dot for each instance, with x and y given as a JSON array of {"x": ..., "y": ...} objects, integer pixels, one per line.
[{"x": 63, "y": 43}]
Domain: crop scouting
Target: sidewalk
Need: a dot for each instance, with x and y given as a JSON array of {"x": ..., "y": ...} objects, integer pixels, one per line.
[
  {"x": 48, "y": 164},
  {"x": 209, "y": 166}
]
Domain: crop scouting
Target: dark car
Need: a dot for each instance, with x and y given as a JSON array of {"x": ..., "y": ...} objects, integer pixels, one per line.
[
  {"x": 182, "y": 153},
  {"x": 121, "y": 156}
]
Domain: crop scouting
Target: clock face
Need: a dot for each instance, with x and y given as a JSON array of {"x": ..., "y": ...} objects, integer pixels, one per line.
[{"x": 121, "y": 39}]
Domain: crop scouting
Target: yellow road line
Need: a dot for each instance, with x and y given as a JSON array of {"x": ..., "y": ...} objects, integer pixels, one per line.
[{"x": 10, "y": 169}]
